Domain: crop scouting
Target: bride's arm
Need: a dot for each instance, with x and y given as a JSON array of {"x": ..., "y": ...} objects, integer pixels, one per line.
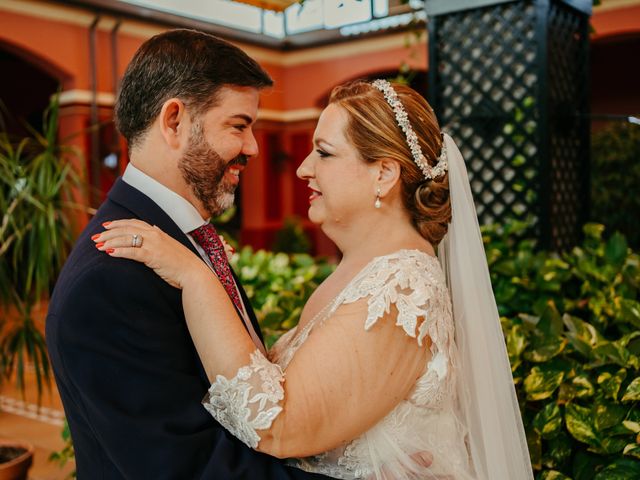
[
  {"x": 221, "y": 340},
  {"x": 341, "y": 382}
]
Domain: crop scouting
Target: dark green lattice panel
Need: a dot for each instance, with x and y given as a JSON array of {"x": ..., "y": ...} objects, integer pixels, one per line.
[{"x": 508, "y": 82}]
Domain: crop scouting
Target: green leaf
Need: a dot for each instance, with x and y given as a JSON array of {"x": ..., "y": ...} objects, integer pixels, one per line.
[
  {"x": 547, "y": 351},
  {"x": 618, "y": 431},
  {"x": 559, "y": 450},
  {"x": 585, "y": 464},
  {"x": 542, "y": 382},
  {"x": 612, "y": 352},
  {"x": 272, "y": 319},
  {"x": 580, "y": 424},
  {"x": 616, "y": 249},
  {"x": 632, "y": 426},
  {"x": 593, "y": 230},
  {"x": 608, "y": 415},
  {"x": 612, "y": 445},
  {"x": 582, "y": 386},
  {"x": 248, "y": 273},
  {"x": 582, "y": 330},
  {"x": 292, "y": 319},
  {"x": 632, "y": 450},
  {"x": 620, "y": 469},
  {"x": 611, "y": 383},
  {"x": 583, "y": 336},
  {"x": 550, "y": 321},
  {"x": 303, "y": 260},
  {"x": 626, "y": 339},
  {"x": 553, "y": 475},
  {"x": 632, "y": 393},
  {"x": 548, "y": 421},
  {"x": 516, "y": 343},
  {"x": 534, "y": 443},
  {"x": 630, "y": 311}
]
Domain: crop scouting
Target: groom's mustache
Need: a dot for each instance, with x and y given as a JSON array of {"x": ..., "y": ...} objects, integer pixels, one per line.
[{"x": 241, "y": 160}]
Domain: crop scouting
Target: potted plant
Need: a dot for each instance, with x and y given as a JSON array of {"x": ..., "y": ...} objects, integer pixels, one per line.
[
  {"x": 36, "y": 182},
  {"x": 15, "y": 459}
]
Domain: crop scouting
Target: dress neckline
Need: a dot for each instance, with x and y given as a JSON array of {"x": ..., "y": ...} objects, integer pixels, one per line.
[
  {"x": 397, "y": 253},
  {"x": 410, "y": 252},
  {"x": 327, "y": 309}
]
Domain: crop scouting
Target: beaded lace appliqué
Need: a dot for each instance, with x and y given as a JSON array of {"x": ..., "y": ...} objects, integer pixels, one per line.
[
  {"x": 403, "y": 281},
  {"x": 409, "y": 279},
  {"x": 249, "y": 401}
]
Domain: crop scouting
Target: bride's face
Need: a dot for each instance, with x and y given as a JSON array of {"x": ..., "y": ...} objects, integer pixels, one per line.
[{"x": 342, "y": 186}]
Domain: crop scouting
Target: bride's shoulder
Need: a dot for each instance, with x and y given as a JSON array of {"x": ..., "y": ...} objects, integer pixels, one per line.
[
  {"x": 410, "y": 267},
  {"x": 409, "y": 280}
]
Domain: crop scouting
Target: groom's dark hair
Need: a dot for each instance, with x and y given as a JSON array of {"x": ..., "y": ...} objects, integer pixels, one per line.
[{"x": 184, "y": 64}]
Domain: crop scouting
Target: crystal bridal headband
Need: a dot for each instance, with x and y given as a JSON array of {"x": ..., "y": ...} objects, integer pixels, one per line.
[{"x": 402, "y": 119}]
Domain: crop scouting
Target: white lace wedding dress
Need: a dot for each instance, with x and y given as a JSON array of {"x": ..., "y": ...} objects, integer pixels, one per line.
[{"x": 427, "y": 420}]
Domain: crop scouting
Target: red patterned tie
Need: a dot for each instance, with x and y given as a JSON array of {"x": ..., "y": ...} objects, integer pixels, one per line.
[{"x": 207, "y": 237}]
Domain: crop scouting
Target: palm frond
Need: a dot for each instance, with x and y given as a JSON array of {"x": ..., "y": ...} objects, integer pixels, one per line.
[{"x": 37, "y": 181}]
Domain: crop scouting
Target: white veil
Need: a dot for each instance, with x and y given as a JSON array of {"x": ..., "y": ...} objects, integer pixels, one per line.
[{"x": 488, "y": 401}]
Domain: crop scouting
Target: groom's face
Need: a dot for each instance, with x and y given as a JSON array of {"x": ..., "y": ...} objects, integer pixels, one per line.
[{"x": 220, "y": 144}]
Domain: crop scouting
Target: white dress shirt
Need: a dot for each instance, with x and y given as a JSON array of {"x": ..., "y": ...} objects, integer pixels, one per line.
[{"x": 186, "y": 217}]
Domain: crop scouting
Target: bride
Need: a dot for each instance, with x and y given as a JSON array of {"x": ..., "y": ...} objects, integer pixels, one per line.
[{"x": 399, "y": 353}]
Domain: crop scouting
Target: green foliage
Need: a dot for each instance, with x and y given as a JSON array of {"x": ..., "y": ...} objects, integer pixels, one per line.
[
  {"x": 571, "y": 324},
  {"x": 223, "y": 225},
  {"x": 278, "y": 286},
  {"x": 615, "y": 173},
  {"x": 291, "y": 238},
  {"x": 35, "y": 235},
  {"x": 67, "y": 453},
  {"x": 520, "y": 128}
]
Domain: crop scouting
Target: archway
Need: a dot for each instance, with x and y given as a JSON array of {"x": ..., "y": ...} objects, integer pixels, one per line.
[
  {"x": 614, "y": 76},
  {"x": 25, "y": 90}
]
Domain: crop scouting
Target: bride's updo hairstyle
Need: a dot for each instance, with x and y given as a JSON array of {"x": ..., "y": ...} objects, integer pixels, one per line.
[{"x": 373, "y": 129}]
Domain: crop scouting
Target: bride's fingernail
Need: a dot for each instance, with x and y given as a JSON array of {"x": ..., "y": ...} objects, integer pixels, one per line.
[
  {"x": 110, "y": 250},
  {"x": 106, "y": 224},
  {"x": 99, "y": 245},
  {"x": 95, "y": 236}
]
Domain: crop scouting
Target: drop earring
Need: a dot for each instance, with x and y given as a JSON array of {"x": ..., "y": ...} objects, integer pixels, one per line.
[{"x": 377, "y": 203}]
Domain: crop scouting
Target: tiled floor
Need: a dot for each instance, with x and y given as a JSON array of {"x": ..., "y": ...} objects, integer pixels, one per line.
[{"x": 20, "y": 418}]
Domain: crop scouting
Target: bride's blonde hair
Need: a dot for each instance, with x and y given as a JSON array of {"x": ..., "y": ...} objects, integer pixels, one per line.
[{"x": 374, "y": 132}]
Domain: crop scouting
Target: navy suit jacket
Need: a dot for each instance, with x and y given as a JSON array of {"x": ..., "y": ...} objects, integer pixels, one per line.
[{"x": 127, "y": 370}]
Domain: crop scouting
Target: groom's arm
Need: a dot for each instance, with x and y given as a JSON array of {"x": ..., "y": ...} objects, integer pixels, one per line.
[{"x": 128, "y": 363}]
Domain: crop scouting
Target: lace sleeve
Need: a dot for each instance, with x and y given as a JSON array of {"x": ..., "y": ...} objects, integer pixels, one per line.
[
  {"x": 248, "y": 402},
  {"x": 416, "y": 289}
]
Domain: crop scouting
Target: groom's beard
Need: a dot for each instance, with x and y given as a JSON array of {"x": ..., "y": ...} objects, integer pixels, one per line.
[{"x": 203, "y": 169}]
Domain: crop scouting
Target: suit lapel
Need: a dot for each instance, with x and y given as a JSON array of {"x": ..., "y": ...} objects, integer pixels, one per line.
[{"x": 249, "y": 308}]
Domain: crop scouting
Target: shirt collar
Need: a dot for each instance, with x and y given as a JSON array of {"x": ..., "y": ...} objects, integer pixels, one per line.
[{"x": 179, "y": 209}]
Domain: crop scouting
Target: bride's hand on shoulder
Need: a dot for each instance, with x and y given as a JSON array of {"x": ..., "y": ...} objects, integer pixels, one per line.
[{"x": 170, "y": 259}]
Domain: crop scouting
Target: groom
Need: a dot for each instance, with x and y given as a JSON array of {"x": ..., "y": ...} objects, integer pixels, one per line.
[{"x": 127, "y": 371}]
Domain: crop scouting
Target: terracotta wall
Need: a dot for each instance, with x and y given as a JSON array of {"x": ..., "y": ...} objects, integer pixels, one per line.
[
  {"x": 615, "y": 64},
  {"x": 56, "y": 39}
]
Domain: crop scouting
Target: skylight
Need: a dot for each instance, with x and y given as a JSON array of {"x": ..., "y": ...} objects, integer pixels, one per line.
[{"x": 313, "y": 15}]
